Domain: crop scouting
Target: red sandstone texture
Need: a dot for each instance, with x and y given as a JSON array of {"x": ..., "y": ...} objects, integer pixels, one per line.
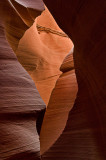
[
  {"x": 74, "y": 122},
  {"x": 61, "y": 102},
  {"x": 42, "y": 53},
  {"x": 20, "y": 102},
  {"x": 84, "y": 134}
]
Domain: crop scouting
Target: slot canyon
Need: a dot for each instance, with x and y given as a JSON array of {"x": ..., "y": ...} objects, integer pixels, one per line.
[{"x": 52, "y": 80}]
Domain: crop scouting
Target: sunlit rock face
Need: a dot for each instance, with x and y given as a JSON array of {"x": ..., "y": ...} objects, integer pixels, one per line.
[
  {"x": 42, "y": 53},
  {"x": 84, "y": 134},
  {"x": 61, "y": 102},
  {"x": 20, "y": 102}
]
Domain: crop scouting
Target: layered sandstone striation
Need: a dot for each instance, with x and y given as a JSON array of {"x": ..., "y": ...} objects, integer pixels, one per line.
[
  {"x": 74, "y": 123},
  {"x": 41, "y": 53},
  {"x": 61, "y": 102},
  {"x": 20, "y": 103},
  {"x": 84, "y": 134}
]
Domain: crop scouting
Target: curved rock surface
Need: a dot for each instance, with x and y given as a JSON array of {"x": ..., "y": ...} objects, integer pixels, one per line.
[
  {"x": 68, "y": 132},
  {"x": 41, "y": 53},
  {"x": 84, "y": 134},
  {"x": 61, "y": 102},
  {"x": 20, "y": 102}
]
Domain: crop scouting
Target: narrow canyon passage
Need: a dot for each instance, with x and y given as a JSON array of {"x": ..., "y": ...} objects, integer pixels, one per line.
[
  {"x": 42, "y": 54},
  {"x": 52, "y": 96}
]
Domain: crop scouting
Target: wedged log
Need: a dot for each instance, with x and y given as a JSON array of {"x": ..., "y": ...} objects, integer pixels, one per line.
[
  {"x": 84, "y": 134},
  {"x": 61, "y": 102},
  {"x": 41, "y": 53},
  {"x": 21, "y": 106}
]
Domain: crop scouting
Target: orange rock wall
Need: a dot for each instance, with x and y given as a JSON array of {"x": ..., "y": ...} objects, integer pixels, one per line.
[
  {"x": 61, "y": 102},
  {"x": 74, "y": 123},
  {"x": 42, "y": 54}
]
